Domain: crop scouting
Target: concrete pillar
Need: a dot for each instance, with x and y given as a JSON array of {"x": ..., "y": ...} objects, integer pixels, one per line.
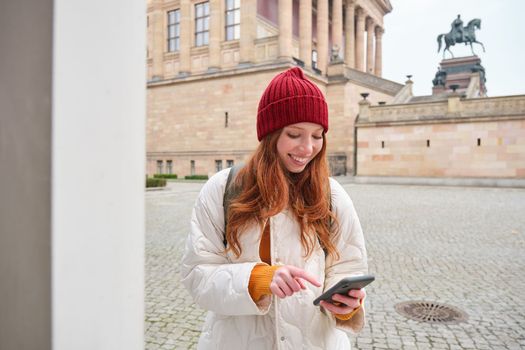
[
  {"x": 185, "y": 37},
  {"x": 337, "y": 26},
  {"x": 159, "y": 44},
  {"x": 322, "y": 35},
  {"x": 359, "y": 38},
  {"x": 379, "y": 52},
  {"x": 72, "y": 242},
  {"x": 285, "y": 29},
  {"x": 350, "y": 34},
  {"x": 248, "y": 31},
  {"x": 305, "y": 32},
  {"x": 370, "y": 46},
  {"x": 214, "y": 60}
]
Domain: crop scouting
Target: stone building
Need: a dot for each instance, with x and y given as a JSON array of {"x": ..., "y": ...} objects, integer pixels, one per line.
[
  {"x": 209, "y": 62},
  {"x": 456, "y": 132}
]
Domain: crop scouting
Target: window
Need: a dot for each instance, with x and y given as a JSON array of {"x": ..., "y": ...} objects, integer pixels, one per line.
[
  {"x": 192, "y": 167},
  {"x": 428, "y": 143},
  {"x": 202, "y": 23},
  {"x": 382, "y": 144},
  {"x": 225, "y": 119},
  {"x": 169, "y": 167},
  {"x": 218, "y": 165},
  {"x": 229, "y": 163},
  {"x": 173, "y": 30},
  {"x": 314, "y": 59},
  {"x": 479, "y": 142},
  {"x": 159, "y": 166},
  {"x": 233, "y": 19}
]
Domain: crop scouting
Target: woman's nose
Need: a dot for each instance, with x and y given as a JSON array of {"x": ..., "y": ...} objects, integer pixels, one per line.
[{"x": 306, "y": 146}]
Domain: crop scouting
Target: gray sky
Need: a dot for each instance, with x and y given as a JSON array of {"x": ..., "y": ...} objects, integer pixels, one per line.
[{"x": 410, "y": 41}]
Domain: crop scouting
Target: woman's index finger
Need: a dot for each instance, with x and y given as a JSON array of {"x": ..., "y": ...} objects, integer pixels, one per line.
[{"x": 297, "y": 272}]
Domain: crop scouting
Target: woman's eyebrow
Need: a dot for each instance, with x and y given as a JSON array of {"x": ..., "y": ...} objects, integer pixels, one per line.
[{"x": 298, "y": 127}]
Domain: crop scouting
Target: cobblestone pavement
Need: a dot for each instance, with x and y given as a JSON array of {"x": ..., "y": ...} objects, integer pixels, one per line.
[{"x": 461, "y": 246}]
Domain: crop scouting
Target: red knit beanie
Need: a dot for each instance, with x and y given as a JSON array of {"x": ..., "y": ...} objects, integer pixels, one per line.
[{"x": 290, "y": 98}]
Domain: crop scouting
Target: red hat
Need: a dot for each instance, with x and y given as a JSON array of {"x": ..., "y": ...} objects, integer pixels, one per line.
[{"x": 290, "y": 98}]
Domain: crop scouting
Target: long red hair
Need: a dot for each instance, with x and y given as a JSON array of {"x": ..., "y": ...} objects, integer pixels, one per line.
[{"x": 267, "y": 188}]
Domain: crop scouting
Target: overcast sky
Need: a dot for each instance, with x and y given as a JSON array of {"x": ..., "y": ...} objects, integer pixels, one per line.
[{"x": 410, "y": 41}]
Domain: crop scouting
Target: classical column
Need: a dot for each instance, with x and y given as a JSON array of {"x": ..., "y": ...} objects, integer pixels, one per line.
[
  {"x": 379, "y": 51},
  {"x": 159, "y": 44},
  {"x": 322, "y": 35},
  {"x": 215, "y": 36},
  {"x": 248, "y": 30},
  {"x": 359, "y": 38},
  {"x": 370, "y": 46},
  {"x": 185, "y": 36},
  {"x": 337, "y": 26},
  {"x": 305, "y": 32},
  {"x": 285, "y": 28},
  {"x": 350, "y": 34}
]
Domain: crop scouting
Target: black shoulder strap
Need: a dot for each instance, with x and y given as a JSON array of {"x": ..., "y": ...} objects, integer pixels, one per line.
[{"x": 230, "y": 192}]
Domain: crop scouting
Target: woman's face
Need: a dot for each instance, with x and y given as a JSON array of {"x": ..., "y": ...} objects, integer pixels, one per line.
[{"x": 298, "y": 144}]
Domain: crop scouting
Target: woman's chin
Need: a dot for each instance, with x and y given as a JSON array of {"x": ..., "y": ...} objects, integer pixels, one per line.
[{"x": 295, "y": 168}]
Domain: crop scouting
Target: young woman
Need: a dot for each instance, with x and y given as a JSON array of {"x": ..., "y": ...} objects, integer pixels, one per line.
[{"x": 292, "y": 232}]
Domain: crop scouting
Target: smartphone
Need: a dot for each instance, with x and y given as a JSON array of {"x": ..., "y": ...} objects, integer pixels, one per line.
[{"x": 344, "y": 286}]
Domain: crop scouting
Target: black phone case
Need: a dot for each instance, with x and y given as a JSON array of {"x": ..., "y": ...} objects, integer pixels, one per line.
[{"x": 344, "y": 286}]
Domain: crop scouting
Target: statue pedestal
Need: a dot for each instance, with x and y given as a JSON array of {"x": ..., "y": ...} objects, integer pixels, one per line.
[{"x": 460, "y": 72}]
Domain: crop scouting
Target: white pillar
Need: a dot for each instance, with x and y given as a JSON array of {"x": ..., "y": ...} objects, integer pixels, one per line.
[
  {"x": 337, "y": 26},
  {"x": 305, "y": 32},
  {"x": 359, "y": 38},
  {"x": 285, "y": 28},
  {"x": 159, "y": 45},
  {"x": 72, "y": 238},
  {"x": 322, "y": 35},
  {"x": 186, "y": 40},
  {"x": 350, "y": 34},
  {"x": 214, "y": 61},
  {"x": 248, "y": 30},
  {"x": 370, "y": 46},
  {"x": 379, "y": 52}
]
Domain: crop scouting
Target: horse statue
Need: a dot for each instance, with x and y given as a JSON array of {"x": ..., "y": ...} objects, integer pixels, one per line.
[{"x": 454, "y": 36}]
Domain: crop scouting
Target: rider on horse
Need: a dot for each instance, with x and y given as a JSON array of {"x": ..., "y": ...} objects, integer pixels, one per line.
[{"x": 457, "y": 27}]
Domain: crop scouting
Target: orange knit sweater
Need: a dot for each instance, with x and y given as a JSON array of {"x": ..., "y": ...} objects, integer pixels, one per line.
[{"x": 262, "y": 274}]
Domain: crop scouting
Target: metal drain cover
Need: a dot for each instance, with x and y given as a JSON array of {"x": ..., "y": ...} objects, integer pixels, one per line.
[{"x": 431, "y": 312}]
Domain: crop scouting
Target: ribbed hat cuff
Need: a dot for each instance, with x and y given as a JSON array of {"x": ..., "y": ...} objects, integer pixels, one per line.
[{"x": 292, "y": 110}]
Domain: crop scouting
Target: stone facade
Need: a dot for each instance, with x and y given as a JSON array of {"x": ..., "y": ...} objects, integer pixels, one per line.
[
  {"x": 202, "y": 100},
  {"x": 454, "y": 137}
]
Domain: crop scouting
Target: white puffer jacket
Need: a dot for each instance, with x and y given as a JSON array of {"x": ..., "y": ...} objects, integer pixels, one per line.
[{"x": 219, "y": 282}]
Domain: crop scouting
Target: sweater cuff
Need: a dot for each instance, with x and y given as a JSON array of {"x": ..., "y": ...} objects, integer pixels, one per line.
[
  {"x": 351, "y": 314},
  {"x": 260, "y": 280}
]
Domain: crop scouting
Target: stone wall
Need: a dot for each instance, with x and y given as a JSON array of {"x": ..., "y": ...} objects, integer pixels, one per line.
[{"x": 482, "y": 137}]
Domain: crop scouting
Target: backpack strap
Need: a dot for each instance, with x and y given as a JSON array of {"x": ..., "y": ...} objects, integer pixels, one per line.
[{"x": 230, "y": 192}]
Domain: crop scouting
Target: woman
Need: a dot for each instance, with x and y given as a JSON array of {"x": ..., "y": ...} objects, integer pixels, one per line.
[{"x": 292, "y": 232}]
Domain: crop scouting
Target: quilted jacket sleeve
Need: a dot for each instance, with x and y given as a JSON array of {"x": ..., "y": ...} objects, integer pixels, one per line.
[
  {"x": 213, "y": 281},
  {"x": 351, "y": 246}
]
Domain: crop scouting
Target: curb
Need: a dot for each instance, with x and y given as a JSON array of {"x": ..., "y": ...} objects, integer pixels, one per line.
[{"x": 432, "y": 181}]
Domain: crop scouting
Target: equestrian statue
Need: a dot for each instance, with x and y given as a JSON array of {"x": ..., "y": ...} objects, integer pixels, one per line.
[{"x": 460, "y": 34}]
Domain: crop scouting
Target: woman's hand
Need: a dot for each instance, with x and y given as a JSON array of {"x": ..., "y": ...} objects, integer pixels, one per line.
[
  {"x": 347, "y": 303},
  {"x": 288, "y": 280}
]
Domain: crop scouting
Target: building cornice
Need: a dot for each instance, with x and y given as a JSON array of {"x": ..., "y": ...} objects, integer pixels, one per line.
[{"x": 241, "y": 69}]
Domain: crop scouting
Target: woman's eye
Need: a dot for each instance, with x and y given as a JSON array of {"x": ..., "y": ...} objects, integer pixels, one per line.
[
  {"x": 293, "y": 136},
  {"x": 317, "y": 137}
]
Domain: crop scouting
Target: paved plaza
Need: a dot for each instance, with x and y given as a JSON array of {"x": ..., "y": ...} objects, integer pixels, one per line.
[{"x": 462, "y": 246}]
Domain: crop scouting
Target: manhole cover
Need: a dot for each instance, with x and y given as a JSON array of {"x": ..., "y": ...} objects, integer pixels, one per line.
[{"x": 426, "y": 311}]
